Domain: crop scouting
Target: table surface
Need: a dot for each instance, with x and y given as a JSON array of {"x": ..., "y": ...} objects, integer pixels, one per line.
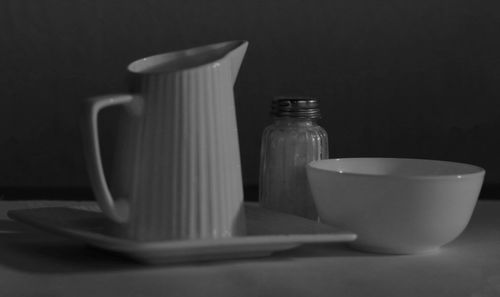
[{"x": 34, "y": 263}]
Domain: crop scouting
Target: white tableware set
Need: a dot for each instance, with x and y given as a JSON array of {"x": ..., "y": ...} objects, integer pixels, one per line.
[{"x": 177, "y": 183}]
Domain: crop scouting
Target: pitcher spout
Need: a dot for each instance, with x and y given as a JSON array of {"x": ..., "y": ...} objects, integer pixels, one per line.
[
  {"x": 236, "y": 58},
  {"x": 231, "y": 52}
]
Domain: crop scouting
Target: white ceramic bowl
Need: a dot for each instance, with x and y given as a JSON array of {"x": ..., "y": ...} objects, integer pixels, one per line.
[{"x": 396, "y": 206}]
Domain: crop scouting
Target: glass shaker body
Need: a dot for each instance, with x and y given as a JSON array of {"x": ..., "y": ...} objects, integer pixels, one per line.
[{"x": 288, "y": 145}]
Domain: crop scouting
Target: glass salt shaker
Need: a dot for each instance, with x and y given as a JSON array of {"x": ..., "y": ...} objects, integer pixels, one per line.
[{"x": 292, "y": 141}]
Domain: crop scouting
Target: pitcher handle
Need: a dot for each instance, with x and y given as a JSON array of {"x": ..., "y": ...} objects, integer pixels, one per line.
[{"x": 116, "y": 210}]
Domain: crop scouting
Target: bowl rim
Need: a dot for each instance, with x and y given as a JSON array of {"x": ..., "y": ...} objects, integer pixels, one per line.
[{"x": 476, "y": 169}]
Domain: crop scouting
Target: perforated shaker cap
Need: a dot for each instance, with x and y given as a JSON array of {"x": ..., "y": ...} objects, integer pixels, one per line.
[{"x": 296, "y": 107}]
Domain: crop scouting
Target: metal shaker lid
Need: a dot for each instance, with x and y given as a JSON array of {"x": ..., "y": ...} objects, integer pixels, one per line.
[{"x": 298, "y": 107}]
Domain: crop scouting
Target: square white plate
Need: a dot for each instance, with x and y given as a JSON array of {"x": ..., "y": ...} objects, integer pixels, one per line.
[{"x": 267, "y": 232}]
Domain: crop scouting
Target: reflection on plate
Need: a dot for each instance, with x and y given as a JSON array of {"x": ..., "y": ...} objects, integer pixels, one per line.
[{"x": 267, "y": 232}]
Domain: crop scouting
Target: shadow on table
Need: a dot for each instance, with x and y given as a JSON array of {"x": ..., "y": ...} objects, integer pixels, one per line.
[{"x": 26, "y": 249}]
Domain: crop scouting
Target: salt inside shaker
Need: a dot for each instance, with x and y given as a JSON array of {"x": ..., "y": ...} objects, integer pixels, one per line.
[{"x": 292, "y": 141}]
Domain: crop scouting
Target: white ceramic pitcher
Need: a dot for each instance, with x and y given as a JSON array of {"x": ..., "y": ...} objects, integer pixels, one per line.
[{"x": 176, "y": 172}]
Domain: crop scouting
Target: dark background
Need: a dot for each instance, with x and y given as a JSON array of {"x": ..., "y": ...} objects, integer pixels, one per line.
[{"x": 396, "y": 78}]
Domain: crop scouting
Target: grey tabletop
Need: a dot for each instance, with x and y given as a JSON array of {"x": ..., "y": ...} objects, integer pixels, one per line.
[{"x": 33, "y": 263}]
